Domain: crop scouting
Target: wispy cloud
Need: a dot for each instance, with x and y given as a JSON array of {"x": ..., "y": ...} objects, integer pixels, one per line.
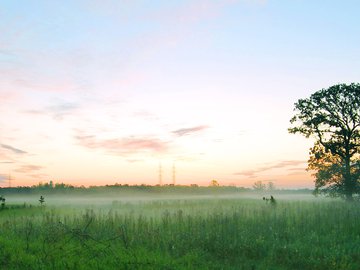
[
  {"x": 3, "y": 177},
  {"x": 287, "y": 163},
  {"x": 13, "y": 149},
  {"x": 282, "y": 164},
  {"x": 124, "y": 146},
  {"x": 38, "y": 175},
  {"x": 296, "y": 171},
  {"x": 188, "y": 131},
  {"x": 249, "y": 173},
  {"x": 28, "y": 168},
  {"x": 58, "y": 111}
]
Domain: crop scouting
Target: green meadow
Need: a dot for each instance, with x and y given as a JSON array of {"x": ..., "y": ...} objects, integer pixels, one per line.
[{"x": 192, "y": 232}]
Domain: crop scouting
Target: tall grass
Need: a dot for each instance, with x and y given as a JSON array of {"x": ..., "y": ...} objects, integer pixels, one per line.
[{"x": 184, "y": 234}]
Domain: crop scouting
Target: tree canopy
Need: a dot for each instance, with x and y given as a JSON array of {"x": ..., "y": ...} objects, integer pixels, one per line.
[
  {"x": 259, "y": 186},
  {"x": 332, "y": 117}
]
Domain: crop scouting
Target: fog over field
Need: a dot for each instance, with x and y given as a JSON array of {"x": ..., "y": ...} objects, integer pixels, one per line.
[
  {"x": 143, "y": 230},
  {"x": 96, "y": 200}
]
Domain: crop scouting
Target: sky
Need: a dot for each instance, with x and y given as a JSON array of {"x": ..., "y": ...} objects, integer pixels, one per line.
[{"x": 101, "y": 92}]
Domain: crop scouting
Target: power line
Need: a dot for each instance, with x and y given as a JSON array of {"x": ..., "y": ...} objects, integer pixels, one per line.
[{"x": 160, "y": 174}]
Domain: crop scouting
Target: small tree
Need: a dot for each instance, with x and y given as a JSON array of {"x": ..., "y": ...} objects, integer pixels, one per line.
[
  {"x": 332, "y": 117},
  {"x": 42, "y": 200},
  {"x": 214, "y": 183},
  {"x": 2, "y": 200},
  {"x": 259, "y": 186}
]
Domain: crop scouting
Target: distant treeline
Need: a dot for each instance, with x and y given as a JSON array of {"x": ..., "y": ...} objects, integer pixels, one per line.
[{"x": 62, "y": 188}]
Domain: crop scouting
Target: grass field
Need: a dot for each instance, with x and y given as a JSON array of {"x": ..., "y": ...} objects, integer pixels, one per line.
[{"x": 182, "y": 233}]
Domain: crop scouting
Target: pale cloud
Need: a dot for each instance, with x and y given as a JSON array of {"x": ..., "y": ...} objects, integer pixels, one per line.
[
  {"x": 187, "y": 131},
  {"x": 28, "y": 169},
  {"x": 3, "y": 177},
  {"x": 249, "y": 173},
  {"x": 296, "y": 171},
  {"x": 125, "y": 146},
  {"x": 13, "y": 149},
  {"x": 287, "y": 163},
  {"x": 279, "y": 165},
  {"x": 58, "y": 111},
  {"x": 38, "y": 176}
]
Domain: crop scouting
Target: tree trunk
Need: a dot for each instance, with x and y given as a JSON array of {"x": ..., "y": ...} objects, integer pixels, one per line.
[
  {"x": 348, "y": 181},
  {"x": 349, "y": 197}
]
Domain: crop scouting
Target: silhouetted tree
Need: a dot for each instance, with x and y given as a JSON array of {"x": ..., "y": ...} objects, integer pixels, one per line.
[
  {"x": 2, "y": 200},
  {"x": 42, "y": 200},
  {"x": 214, "y": 183},
  {"x": 332, "y": 117},
  {"x": 259, "y": 186}
]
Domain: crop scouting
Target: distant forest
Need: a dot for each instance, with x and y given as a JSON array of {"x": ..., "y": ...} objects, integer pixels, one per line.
[{"x": 62, "y": 188}]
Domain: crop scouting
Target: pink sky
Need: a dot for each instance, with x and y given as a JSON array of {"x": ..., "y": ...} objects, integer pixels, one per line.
[{"x": 96, "y": 92}]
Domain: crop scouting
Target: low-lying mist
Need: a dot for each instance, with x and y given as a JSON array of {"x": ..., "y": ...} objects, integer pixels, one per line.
[{"x": 103, "y": 199}]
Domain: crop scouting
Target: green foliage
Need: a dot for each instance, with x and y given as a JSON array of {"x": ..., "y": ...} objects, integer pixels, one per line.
[
  {"x": 65, "y": 189},
  {"x": 2, "y": 200},
  {"x": 328, "y": 171},
  {"x": 332, "y": 117},
  {"x": 259, "y": 186},
  {"x": 214, "y": 183},
  {"x": 41, "y": 200},
  {"x": 201, "y": 234}
]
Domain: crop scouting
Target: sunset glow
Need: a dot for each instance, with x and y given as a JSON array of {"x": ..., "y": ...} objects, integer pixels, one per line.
[{"x": 102, "y": 92}]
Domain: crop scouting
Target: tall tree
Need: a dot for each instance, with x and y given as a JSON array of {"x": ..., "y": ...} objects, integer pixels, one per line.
[{"x": 332, "y": 117}]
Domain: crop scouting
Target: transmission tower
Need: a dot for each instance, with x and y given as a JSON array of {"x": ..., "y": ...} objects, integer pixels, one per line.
[{"x": 160, "y": 174}]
